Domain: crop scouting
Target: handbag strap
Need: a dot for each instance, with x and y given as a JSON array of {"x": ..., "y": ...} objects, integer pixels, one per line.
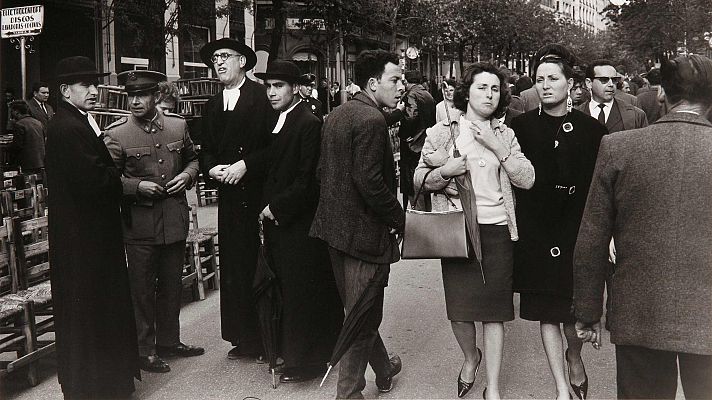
[{"x": 420, "y": 190}]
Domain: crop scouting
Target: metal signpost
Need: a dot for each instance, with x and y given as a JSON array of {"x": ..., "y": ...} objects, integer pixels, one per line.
[{"x": 19, "y": 24}]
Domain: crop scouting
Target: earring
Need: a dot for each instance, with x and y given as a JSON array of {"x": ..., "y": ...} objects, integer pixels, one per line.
[
  {"x": 539, "y": 108},
  {"x": 569, "y": 104}
]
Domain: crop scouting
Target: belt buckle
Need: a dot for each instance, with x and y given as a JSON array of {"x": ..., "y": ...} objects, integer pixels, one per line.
[
  {"x": 555, "y": 251},
  {"x": 572, "y": 190}
]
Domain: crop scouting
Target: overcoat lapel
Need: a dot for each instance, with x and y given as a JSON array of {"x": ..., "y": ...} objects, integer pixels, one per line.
[{"x": 615, "y": 119}]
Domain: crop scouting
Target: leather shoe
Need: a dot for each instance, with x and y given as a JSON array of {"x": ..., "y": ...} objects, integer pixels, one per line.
[
  {"x": 296, "y": 378},
  {"x": 464, "y": 387},
  {"x": 153, "y": 363},
  {"x": 385, "y": 384},
  {"x": 236, "y": 353},
  {"x": 179, "y": 350}
]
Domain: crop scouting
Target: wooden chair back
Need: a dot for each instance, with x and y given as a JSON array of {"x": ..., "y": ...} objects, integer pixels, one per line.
[
  {"x": 9, "y": 282},
  {"x": 32, "y": 250}
]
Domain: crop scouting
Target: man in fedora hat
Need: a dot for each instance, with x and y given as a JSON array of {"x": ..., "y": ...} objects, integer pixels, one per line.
[
  {"x": 155, "y": 155},
  {"x": 306, "y": 89},
  {"x": 312, "y": 312},
  {"x": 94, "y": 321},
  {"x": 237, "y": 124}
]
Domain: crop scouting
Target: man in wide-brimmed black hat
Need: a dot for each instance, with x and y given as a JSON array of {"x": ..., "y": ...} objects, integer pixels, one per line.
[
  {"x": 312, "y": 312},
  {"x": 237, "y": 124},
  {"x": 95, "y": 328}
]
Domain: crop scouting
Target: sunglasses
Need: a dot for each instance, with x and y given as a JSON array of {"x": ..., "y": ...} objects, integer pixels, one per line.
[
  {"x": 605, "y": 79},
  {"x": 222, "y": 56}
]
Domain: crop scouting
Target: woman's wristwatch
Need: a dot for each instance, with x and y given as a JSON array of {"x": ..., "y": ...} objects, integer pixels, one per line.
[{"x": 505, "y": 158}]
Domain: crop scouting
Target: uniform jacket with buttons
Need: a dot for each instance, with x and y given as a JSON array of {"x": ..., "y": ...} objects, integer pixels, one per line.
[{"x": 156, "y": 151}]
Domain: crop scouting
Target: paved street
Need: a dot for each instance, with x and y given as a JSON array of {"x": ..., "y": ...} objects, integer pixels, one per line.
[{"x": 414, "y": 326}]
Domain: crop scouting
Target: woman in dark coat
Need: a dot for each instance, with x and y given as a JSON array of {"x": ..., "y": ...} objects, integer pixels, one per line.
[
  {"x": 97, "y": 352},
  {"x": 312, "y": 311},
  {"x": 562, "y": 144}
]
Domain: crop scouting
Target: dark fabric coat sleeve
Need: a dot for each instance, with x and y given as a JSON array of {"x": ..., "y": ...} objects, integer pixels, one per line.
[
  {"x": 18, "y": 138},
  {"x": 368, "y": 147},
  {"x": 91, "y": 176},
  {"x": 293, "y": 201},
  {"x": 591, "y": 253}
]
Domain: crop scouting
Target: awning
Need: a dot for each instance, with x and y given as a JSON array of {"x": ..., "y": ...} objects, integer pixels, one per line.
[{"x": 303, "y": 56}]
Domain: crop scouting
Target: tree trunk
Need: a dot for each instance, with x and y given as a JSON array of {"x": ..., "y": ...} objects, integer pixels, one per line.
[
  {"x": 279, "y": 21},
  {"x": 461, "y": 56},
  {"x": 394, "y": 26}
]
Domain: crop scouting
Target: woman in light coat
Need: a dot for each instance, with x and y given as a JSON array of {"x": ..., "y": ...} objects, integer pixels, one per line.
[{"x": 478, "y": 290}]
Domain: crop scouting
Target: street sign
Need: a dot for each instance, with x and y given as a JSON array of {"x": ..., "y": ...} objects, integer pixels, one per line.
[{"x": 22, "y": 21}]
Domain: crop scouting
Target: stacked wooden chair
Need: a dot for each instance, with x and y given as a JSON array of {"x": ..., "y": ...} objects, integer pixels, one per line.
[{"x": 201, "y": 258}]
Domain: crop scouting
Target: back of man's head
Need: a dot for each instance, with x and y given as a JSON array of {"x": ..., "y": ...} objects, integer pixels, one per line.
[
  {"x": 413, "y": 76},
  {"x": 654, "y": 77},
  {"x": 19, "y": 107},
  {"x": 371, "y": 64}
]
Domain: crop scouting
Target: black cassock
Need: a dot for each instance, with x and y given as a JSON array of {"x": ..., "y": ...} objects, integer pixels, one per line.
[
  {"x": 95, "y": 328},
  {"x": 312, "y": 311},
  {"x": 228, "y": 137}
]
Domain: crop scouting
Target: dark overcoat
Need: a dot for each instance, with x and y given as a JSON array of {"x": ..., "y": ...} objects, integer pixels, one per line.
[
  {"x": 623, "y": 116},
  {"x": 37, "y": 112},
  {"x": 549, "y": 214},
  {"x": 357, "y": 201},
  {"x": 28, "y": 141},
  {"x": 312, "y": 313},
  {"x": 228, "y": 137},
  {"x": 95, "y": 328},
  {"x": 651, "y": 192}
]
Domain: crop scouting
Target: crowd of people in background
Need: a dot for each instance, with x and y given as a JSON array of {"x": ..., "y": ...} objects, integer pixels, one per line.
[{"x": 584, "y": 181}]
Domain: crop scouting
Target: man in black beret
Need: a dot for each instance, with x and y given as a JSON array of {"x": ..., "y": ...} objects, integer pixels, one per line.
[
  {"x": 155, "y": 155},
  {"x": 94, "y": 320},
  {"x": 237, "y": 124}
]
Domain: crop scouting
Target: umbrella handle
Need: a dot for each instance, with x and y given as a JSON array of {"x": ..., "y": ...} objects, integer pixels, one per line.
[{"x": 325, "y": 375}]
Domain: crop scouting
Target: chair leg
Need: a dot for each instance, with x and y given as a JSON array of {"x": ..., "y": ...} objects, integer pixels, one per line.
[
  {"x": 195, "y": 255},
  {"x": 29, "y": 331}
]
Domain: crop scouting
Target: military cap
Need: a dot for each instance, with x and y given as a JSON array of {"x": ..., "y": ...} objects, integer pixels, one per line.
[
  {"x": 307, "y": 79},
  {"x": 140, "y": 80}
]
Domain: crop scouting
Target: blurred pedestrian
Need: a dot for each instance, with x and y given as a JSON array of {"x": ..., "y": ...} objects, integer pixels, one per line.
[
  {"x": 39, "y": 108},
  {"x": 28, "y": 138},
  {"x": 335, "y": 95},
  {"x": 156, "y": 158},
  {"x": 605, "y": 106},
  {"x": 418, "y": 115},
  {"x": 94, "y": 322},
  {"x": 306, "y": 87},
  {"x": 579, "y": 93},
  {"x": 312, "y": 312},
  {"x": 358, "y": 213},
  {"x": 562, "y": 144},
  {"x": 648, "y": 100},
  {"x": 351, "y": 88},
  {"x": 647, "y": 192},
  {"x": 492, "y": 155},
  {"x": 236, "y": 126},
  {"x": 168, "y": 97},
  {"x": 323, "y": 96},
  {"x": 440, "y": 113}
]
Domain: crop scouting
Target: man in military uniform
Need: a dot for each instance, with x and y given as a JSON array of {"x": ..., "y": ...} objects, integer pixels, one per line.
[
  {"x": 307, "y": 82},
  {"x": 154, "y": 152}
]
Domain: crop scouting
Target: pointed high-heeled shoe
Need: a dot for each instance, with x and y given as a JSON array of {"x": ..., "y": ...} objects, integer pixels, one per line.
[
  {"x": 581, "y": 391},
  {"x": 464, "y": 387}
]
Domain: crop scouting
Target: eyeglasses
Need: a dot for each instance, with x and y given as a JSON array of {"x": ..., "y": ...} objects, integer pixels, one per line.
[
  {"x": 222, "y": 56},
  {"x": 605, "y": 79}
]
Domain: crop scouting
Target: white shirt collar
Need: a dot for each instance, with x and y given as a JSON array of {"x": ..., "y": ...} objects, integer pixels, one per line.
[
  {"x": 231, "y": 96},
  {"x": 283, "y": 117},
  {"x": 595, "y": 110}
]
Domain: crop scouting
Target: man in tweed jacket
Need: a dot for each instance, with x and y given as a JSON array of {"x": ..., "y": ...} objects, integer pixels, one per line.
[
  {"x": 358, "y": 213},
  {"x": 651, "y": 191}
]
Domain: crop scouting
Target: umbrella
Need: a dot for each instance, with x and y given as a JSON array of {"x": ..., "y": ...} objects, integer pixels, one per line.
[
  {"x": 467, "y": 197},
  {"x": 357, "y": 317},
  {"x": 268, "y": 301}
]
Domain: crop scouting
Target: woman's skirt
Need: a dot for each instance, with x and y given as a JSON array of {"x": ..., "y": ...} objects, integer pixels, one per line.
[{"x": 467, "y": 297}]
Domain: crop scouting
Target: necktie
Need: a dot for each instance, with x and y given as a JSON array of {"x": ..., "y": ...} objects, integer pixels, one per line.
[
  {"x": 602, "y": 114},
  {"x": 43, "y": 108}
]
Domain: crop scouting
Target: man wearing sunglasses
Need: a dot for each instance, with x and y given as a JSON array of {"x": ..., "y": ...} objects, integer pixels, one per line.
[{"x": 615, "y": 114}]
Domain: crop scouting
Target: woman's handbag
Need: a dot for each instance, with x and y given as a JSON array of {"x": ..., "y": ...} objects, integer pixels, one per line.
[{"x": 434, "y": 234}]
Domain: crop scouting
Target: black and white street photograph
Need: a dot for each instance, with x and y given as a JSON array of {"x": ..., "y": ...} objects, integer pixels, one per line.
[{"x": 355, "y": 199}]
